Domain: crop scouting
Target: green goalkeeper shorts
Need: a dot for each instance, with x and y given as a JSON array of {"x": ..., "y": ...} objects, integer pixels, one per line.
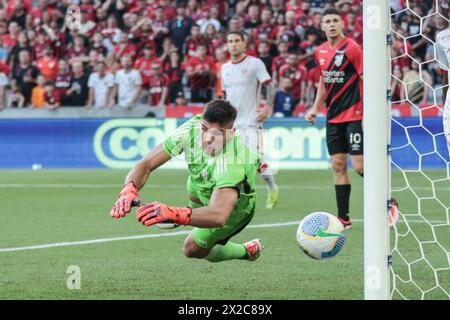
[
  {"x": 238, "y": 220},
  {"x": 208, "y": 237}
]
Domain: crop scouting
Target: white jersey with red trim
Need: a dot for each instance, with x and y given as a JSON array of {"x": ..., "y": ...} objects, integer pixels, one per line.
[
  {"x": 443, "y": 56},
  {"x": 241, "y": 81}
]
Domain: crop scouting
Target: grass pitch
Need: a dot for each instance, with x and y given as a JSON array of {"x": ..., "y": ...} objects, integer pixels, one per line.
[{"x": 60, "y": 207}]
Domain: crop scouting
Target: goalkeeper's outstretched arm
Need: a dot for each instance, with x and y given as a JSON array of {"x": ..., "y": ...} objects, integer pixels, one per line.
[
  {"x": 136, "y": 179},
  {"x": 215, "y": 215},
  {"x": 142, "y": 170}
]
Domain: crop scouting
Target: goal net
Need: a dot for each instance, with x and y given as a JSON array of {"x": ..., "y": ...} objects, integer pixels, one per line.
[{"x": 420, "y": 163}]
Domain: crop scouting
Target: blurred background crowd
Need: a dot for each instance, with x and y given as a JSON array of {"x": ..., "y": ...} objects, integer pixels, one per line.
[{"x": 162, "y": 54}]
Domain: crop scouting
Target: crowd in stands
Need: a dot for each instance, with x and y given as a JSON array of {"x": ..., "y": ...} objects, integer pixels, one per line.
[{"x": 123, "y": 53}]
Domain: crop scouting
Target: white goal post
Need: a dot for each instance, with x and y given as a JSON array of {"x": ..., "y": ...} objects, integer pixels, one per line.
[
  {"x": 376, "y": 76},
  {"x": 410, "y": 259}
]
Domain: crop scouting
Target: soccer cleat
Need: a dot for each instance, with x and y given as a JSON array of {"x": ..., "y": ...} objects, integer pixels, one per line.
[
  {"x": 347, "y": 223},
  {"x": 272, "y": 198},
  {"x": 254, "y": 248}
]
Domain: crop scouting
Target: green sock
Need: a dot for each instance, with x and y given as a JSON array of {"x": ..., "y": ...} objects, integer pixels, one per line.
[{"x": 227, "y": 252}]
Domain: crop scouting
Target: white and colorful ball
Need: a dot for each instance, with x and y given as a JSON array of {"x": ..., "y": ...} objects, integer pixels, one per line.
[{"x": 320, "y": 235}]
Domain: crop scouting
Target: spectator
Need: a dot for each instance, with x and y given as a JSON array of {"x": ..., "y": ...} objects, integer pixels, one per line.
[
  {"x": 87, "y": 26},
  {"x": 124, "y": 47},
  {"x": 308, "y": 48},
  {"x": 128, "y": 84},
  {"x": 160, "y": 27},
  {"x": 252, "y": 21},
  {"x": 78, "y": 52},
  {"x": 51, "y": 97},
  {"x": 180, "y": 27},
  {"x": 62, "y": 81},
  {"x": 277, "y": 8},
  {"x": 3, "y": 51},
  {"x": 97, "y": 44},
  {"x": 37, "y": 95},
  {"x": 208, "y": 20},
  {"x": 94, "y": 57},
  {"x": 39, "y": 46},
  {"x": 288, "y": 33},
  {"x": 22, "y": 44},
  {"x": 10, "y": 39},
  {"x": 144, "y": 64},
  {"x": 78, "y": 92},
  {"x": 48, "y": 64},
  {"x": 111, "y": 33},
  {"x": 193, "y": 41},
  {"x": 221, "y": 58},
  {"x": 16, "y": 98},
  {"x": 298, "y": 74},
  {"x": 101, "y": 86},
  {"x": 396, "y": 85},
  {"x": 180, "y": 99},
  {"x": 417, "y": 87},
  {"x": 193, "y": 10},
  {"x": 19, "y": 14},
  {"x": 175, "y": 72},
  {"x": 353, "y": 29},
  {"x": 143, "y": 34},
  {"x": 266, "y": 31},
  {"x": 159, "y": 90},
  {"x": 215, "y": 14},
  {"x": 200, "y": 75},
  {"x": 25, "y": 75},
  {"x": 279, "y": 61},
  {"x": 264, "y": 55},
  {"x": 4, "y": 74}
]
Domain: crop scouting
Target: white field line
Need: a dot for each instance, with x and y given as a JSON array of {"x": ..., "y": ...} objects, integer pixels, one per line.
[
  {"x": 167, "y": 186},
  {"x": 159, "y": 235}
]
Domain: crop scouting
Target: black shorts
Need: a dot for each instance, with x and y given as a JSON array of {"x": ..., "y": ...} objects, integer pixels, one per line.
[{"x": 345, "y": 137}]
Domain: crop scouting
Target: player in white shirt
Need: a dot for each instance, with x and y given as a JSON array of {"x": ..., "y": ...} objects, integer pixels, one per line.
[
  {"x": 128, "y": 83},
  {"x": 243, "y": 79},
  {"x": 100, "y": 86},
  {"x": 443, "y": 57}
]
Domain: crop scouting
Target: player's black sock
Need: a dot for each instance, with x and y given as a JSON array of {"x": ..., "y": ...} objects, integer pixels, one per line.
[{"x": 343, "y": 200}]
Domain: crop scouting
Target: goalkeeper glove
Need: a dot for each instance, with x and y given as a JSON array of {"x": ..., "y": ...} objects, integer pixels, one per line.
[
  {"x": 157, "y": 212},
  {"x": 128, "y": 197}
]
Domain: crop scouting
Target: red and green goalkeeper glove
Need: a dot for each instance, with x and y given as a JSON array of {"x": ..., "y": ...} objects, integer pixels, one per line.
[
  {"x": 157, "y": 212},
  {"x": 128, "y": 197}
]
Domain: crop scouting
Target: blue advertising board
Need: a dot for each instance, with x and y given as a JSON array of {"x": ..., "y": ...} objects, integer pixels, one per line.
[{"x": 119, "y": 143}]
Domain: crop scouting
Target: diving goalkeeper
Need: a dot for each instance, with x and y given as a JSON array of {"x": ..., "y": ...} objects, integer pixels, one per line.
[{"x": 221, "y": 186}]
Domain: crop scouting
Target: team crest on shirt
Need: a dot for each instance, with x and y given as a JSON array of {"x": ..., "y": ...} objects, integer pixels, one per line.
[
  {"x": 205, "y": 174},
  {"x": 244, "y": 71},
  {"x": 338, "y": 60},
  {"x": 322, "y": 61}
]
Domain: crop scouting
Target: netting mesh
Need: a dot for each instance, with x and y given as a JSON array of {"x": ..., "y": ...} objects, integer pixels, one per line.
[{"x": 420, "y": 171}]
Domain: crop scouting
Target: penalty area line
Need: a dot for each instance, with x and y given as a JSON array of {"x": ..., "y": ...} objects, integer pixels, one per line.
[
  {"x": 159, "y": 235},
  {"x": 144, "y": 236}
]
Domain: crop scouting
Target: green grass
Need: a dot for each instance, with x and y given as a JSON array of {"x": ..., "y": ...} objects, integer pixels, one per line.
[{"x": 52, "y": 206}]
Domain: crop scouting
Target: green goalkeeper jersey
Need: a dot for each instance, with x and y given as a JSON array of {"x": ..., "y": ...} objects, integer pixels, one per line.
[{"x": 235, "y": 167}]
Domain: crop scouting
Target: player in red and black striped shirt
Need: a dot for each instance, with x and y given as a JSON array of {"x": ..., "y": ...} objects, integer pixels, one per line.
[{"x": 340, "y": 88}]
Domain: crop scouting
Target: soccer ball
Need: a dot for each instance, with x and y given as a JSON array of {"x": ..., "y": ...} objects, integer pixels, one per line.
[{"x": 320, "y": 235}]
